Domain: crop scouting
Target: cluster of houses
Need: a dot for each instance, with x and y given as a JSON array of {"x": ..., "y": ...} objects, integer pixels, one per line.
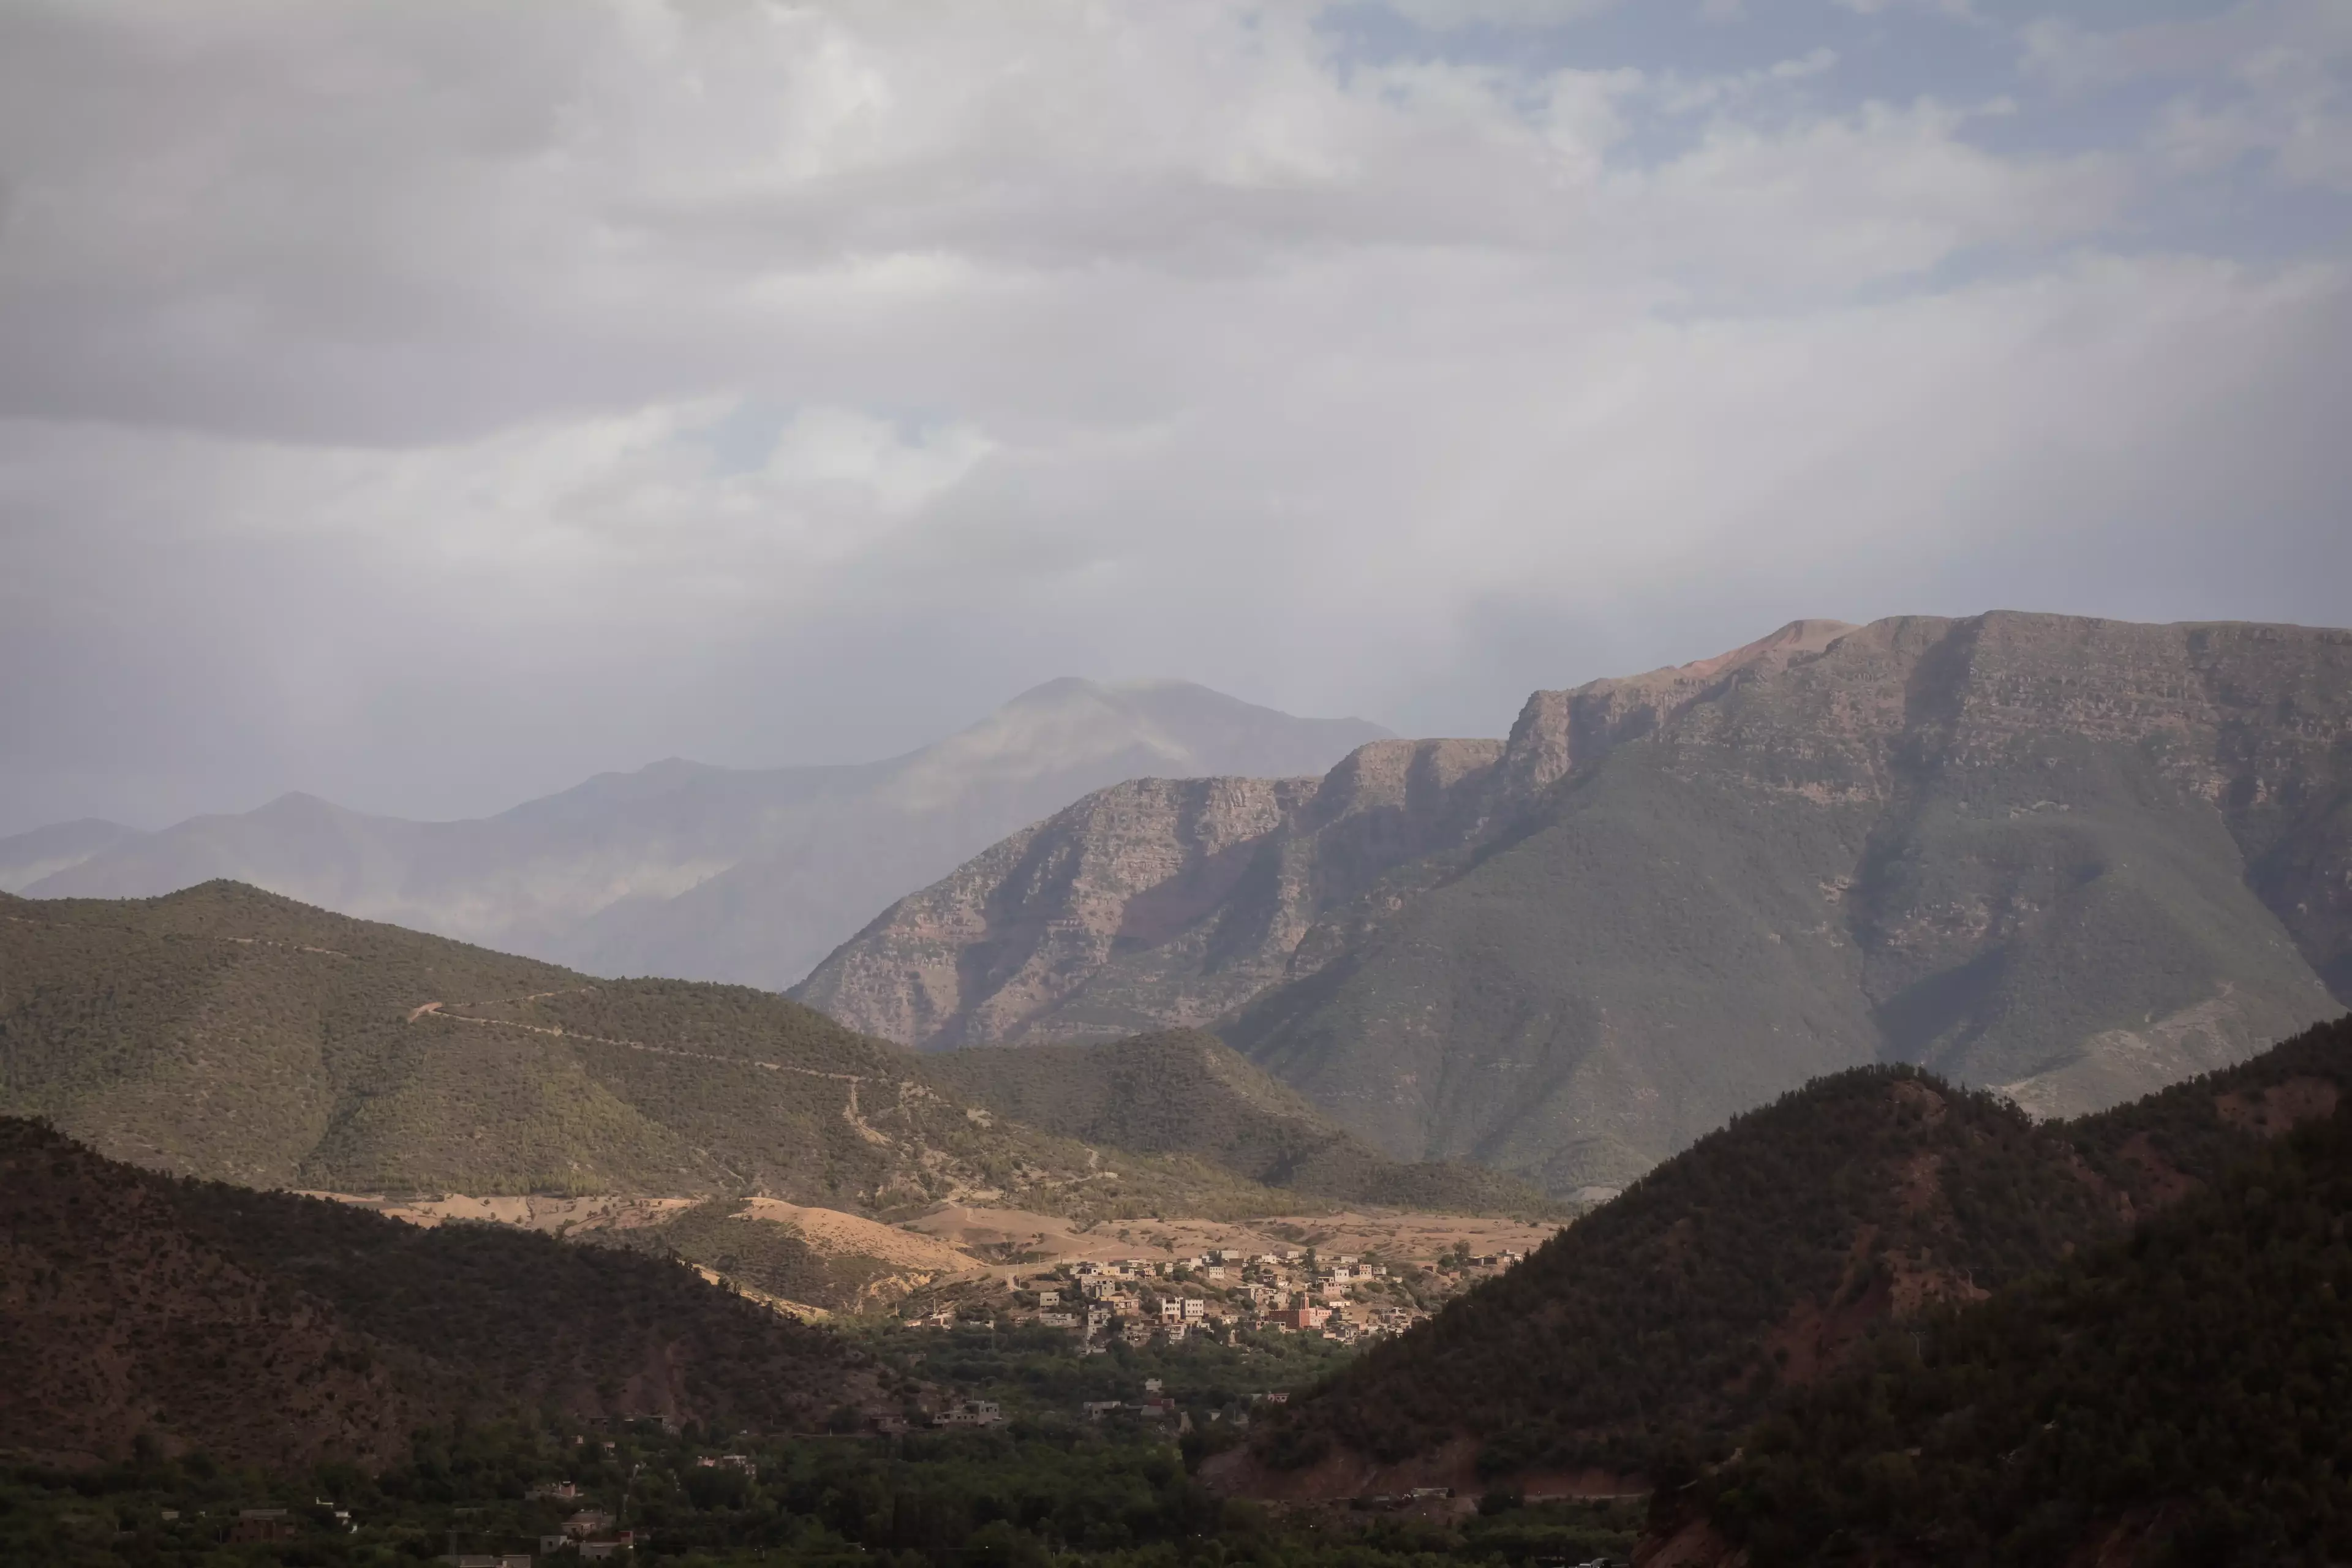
[
  {"x": 970, "y": 1413},
  {"x": 1155, "y": 1405},
  {"x": 1139, "y": 1301},
  {"x": 591, "y": 1533},
  {"x": 257, "y": 1525}
]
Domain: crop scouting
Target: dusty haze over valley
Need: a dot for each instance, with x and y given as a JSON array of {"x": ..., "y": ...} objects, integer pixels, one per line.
[{"x": 682, "y": 869}]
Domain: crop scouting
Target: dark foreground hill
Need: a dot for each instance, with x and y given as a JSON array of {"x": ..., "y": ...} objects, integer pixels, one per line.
[
  {"x": 1650, "y": 1331},
  {"x": 1184, "y": 1091},
  {"x": 2179, "y": 1398},
  {"x": 281, "y": 1329},
  {"x": 2069, "y": 860}
]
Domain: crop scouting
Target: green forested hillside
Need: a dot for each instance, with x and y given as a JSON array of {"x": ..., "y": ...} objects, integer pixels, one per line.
[
  {"x": 2158, "y": 1148},
  {"x": 2177, "y": 1397},
  {"x": 1652, "y": 1330},
  {"x": 279, "y": 1329},
  {"x": 1673, "y": 1312},
  {"x": 1184, "y": 1091},
  {"x": 228, "y": 1033}
]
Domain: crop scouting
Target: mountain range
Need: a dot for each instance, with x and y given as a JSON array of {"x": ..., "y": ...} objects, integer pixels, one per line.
[
  {"x": 690, "y": 870},
  {"x": 2069, "y": 859}
]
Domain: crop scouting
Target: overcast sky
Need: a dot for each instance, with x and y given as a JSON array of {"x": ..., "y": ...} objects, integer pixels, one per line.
[{"x": 428, "y": 404}]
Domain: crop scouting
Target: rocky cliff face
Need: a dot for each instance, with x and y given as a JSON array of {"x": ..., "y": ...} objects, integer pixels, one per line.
[
  {"x": 1153, "y": 903},
  {"x": 1557, "y": 730},
  {"x": 2075, "y": 860}
]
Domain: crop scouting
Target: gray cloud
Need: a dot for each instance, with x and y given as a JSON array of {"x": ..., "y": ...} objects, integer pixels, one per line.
[{"x": 428, "y": 406}]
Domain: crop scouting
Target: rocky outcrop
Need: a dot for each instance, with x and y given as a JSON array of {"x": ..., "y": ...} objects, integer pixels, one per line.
[
  {"x": 1557, "y": 731},
  {"x": 2074, "y": 859},
  {"x": 1155, "y": 904}
]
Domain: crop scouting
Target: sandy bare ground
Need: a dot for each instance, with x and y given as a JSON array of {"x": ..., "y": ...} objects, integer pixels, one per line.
[
  {"x": 832, "y": 1232},
  {"x": 964, "y": 1239}
]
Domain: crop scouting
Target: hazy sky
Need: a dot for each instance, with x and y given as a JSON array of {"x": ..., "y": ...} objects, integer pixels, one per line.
[{"x": 431, "y": 403}]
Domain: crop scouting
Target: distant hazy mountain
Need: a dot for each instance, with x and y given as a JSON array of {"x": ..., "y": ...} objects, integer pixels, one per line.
[
  {"x": 2074, "y": 859},
  {"x": 695, "y": 871},
  {"x": 26, "y": 857}
]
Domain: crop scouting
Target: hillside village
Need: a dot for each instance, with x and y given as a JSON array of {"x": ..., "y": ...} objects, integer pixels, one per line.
[{"x": 1344, "y": 1297}]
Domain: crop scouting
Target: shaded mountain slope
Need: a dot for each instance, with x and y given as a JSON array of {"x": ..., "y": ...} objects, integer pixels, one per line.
[
  {"x": 278, "y": 1330},
  {"x": 1762, "y": 1257},
  {"x": 1185, "y": 1093},
  {"x": 683, "y": 869},
  {"x": 2176, "y": 1398},
  {"x": 230, "y": 1033},
  {"x": 2071, "y": 859}
]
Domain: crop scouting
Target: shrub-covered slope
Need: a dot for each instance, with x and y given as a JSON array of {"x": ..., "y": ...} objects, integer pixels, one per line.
[
  {"x": 1752, "y": 1258},
  {"x": 229, "y": 1033},
  {"x": 1184, "y": 1091},
  {"x": 279, "y": 1329},
  {"x": 2177, "y": 1397},
  {"x": 1763, "y": 1255}
]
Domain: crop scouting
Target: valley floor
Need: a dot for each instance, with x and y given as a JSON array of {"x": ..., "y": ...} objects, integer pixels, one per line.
[{"x": 966, "y": 1243}]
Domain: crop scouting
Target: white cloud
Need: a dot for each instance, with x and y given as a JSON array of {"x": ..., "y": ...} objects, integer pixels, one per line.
[
  {"x": 583, "y": 383},
  {"x": 1958, "y": 9},
  {"x": 2266, "y": 78},
  {"x": 2291, "y": 106},
  {"x": 1499, "y": 13}
]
